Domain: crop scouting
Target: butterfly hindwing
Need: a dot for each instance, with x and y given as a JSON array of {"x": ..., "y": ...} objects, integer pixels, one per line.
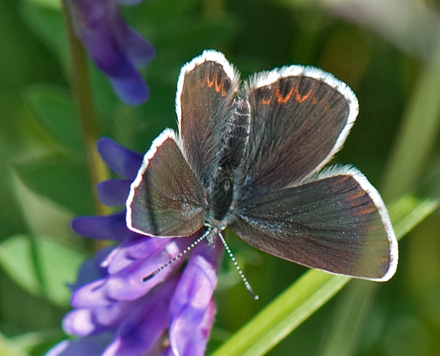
[
  {"x": 336, "y": 223},
  {"x": 166, "y": 198}
]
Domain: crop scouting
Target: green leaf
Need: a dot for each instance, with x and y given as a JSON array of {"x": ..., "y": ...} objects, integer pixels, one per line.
[
  {"x": 47, "y": 22},
  {"x": 8, "y": 226},
  {"x": 55, "y": 109},
  {"x": 60, "y": 177},
  {"x": 409, "y": 211},
  {"x": 41, "y": 266},
  {"x": 38, "y": 341},
  {"x": 311, "y": 291},
  {"x": 8, "y": 349},
  {"x": 55, "y": 4}
]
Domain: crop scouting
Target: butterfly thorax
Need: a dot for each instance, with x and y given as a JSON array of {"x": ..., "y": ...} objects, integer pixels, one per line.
[
  {"x": 233, "y": 144},
  {"x": 220, "y": 193}
]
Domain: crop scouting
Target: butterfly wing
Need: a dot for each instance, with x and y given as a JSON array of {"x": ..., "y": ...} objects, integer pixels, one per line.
[
  {"x": 300, "y": 117},
  {"x": 166, "y": 198},
  {"x": 336, "y": 223},
  {"x": 205, "y": 93}
]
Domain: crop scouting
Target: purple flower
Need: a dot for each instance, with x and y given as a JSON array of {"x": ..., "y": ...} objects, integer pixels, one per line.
[
  {"x": 116, "y": 49},
  {"x": 115, "y": 312}
]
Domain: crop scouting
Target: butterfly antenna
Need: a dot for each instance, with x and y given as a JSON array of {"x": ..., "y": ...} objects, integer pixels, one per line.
[
  {"x": 240, "y": 272},
  {"x": 180, "y": 255}
]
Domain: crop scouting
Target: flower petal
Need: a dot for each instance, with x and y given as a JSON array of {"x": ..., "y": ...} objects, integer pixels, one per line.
[
  {"x": 80, "y": 322},
  {"x": 198, "y": 280},
  {"x": 91, "y": 269},
  {"x": 138, "y": 49},
  {"x": 90, "y": 346},
  {"x": 109, "y": 227},
  {"x": 140, "y": 331},
  {"x": 130, "y": 87},
  {"x": 85, "y": 322},
  {"x": 192, "y": 310},
  {"x": 91, "y": 295},
  {"x": 190, "y": 339},
  {"x": 114, "y": 192},
  {"x": 141, "y": 247},
  {"x": 121, "y": 160},
  {"x": 115, "y": 313},
  {"x": 128, "y": 284},
  {"x": 108, "y": 40}
]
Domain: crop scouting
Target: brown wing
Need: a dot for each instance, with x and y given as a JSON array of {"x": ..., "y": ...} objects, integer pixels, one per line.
[{"x": 337, "y": 223}]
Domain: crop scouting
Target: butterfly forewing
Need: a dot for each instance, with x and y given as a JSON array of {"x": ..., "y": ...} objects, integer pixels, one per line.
[
  {"x": 300, "y": 116},
  {"x": 337, "y": 223},
  {"x": 205, "y": 93},
  {"x": 166, "y": 198}
]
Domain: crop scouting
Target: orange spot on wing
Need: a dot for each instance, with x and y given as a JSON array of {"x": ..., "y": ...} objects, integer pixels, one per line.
[
  {"x": 293, "y": 93},
  {"x": 301, "y": 98},
  {"x": 219, "y": 86},
  {"x": 209, "y": 82},
  {"x": 298, "y": 97},
  {"x": 284, "y": 99},
  {"x": 265, "y": 101}
]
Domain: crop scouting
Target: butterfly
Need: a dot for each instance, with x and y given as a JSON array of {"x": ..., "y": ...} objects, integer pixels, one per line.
[{"x": 248, "y": 157}]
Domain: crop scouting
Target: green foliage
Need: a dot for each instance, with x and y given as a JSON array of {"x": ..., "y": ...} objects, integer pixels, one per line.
[
  {"x": 68, "y": 176},
  {"x": 30, "y": 261},
  {"x": 45, "y": 21},
  {"x": 55, "y": 110},
  {"x": 8, "y": 349}
]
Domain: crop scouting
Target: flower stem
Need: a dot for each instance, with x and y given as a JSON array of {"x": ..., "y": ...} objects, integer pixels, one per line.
[{"x": 86, "y": 113}]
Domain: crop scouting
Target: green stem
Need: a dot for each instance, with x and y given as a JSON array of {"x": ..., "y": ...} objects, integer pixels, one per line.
[{"x": 86, "y": 113}]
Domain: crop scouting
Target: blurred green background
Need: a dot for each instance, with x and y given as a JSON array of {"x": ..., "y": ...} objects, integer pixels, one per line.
[{"x": 388, "y": 52}]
